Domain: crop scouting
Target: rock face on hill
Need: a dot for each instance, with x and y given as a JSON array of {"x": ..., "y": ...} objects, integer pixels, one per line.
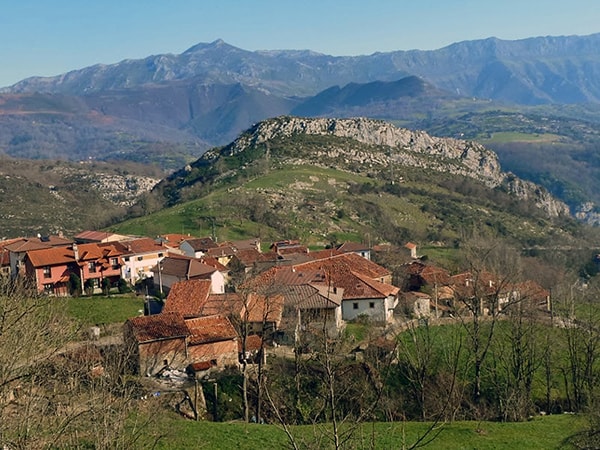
[{"x": 384, "y": 145}]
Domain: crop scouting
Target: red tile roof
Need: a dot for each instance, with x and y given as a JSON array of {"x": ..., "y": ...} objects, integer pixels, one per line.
[
  {"x": 221, "y": 251},
  {"x": 142, "y": 245},
  {"x": 262, "y": 308},
  {"x": 322, "y": 254},
  {"x": 188, "y": 297},
  {"x": 352, "y": 261},
  {"x": 253, "y": 343},
  {"x": 531, "y": 290},
  {"x": 227, "y": 304},
  {"x": 468, "y": 284},
  {"x": 185, "y": 267},
  {"x": 96, "y": 251},
  {"x": 429, "y": 273},
  {"x": 212, "y": 262},
  {"x": 308, "y": 296},
  {"x": 355, "y": 275},
  {"x": 53, "y": 256},
  {"x": 201, "y": 244},
  {"x": 383, "y": 288},
  {"x": 25, "y": 245},
  {"x": 246, "y": 244},
  {"x": 249, "y": 256},
  {"x": 348, "y": 247},
  {"x": 208, "y": 329},
  {"x": 174, "y": 239},
  {"x": 158, "y": 327},
  {"x": 98, "y": 236}
]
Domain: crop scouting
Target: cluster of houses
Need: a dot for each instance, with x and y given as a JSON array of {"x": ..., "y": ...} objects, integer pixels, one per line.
[{"x": 224, "y": 303}]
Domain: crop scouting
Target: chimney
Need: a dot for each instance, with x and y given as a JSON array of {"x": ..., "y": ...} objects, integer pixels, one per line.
[{"x": 75, "y": 252}]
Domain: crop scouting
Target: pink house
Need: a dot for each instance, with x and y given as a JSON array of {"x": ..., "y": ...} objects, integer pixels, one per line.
[{"x": 51, "y": 268}]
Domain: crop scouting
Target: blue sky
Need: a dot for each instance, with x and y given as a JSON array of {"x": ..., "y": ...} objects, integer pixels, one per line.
[{"x": 50, "y": 37}]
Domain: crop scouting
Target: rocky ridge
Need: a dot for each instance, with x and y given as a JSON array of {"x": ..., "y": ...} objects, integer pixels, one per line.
[{"x": 386, "y": 145}]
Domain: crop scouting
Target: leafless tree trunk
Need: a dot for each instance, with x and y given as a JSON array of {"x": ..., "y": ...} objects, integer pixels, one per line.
[{"x": 492, "y": 269}]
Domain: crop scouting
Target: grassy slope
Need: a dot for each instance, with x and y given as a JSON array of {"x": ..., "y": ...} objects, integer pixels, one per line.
[{"x": 320, "y": 205}]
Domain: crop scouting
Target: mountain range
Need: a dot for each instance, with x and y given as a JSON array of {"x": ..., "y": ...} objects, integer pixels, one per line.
[
  {"x": 529, "y": 71},
  {"x": 167, "y": 110}
]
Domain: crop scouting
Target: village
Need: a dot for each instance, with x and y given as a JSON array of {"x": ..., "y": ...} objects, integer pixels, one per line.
[{"x": 214, "y": 305}]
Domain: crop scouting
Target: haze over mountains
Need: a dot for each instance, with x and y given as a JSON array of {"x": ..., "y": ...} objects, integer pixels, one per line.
[
  {"x": 530, "y": 71},
  {"x": 211, "y": 92},
  {"x": 168, "y": 109}
]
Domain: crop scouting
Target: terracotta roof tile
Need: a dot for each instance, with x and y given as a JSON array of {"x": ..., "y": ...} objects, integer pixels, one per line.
[
  {"x": 212, "y": 262},
  {"x": 383, "y": 288},
  {"x": 174, "y": 239},
  {"x": 201, "y": 244},
  {"x": 348, "y": 247},
  {"x": 227, "y": 304},
  {"x": 249, "y": 256},
  {"x": 142, "y": 245},
  {"x": 353, "y": 261},
  {"x": 98, "y": 236},
  {"x": 187, "y": 267},
  {"x": 25, "y": 245},
  {"x": 308, "y": 296},
  {"x": 188, "y": 297},
  {"x": 51, "y": 256},
  {"x": 158, "y": 327},
  {"x": 322, "y": 254},
  {"x": 208, "y": 329},
  {"x": 221, "y": 251},
  {"x": 253, "y": 343},
  {"x": 259, "y": 308}
]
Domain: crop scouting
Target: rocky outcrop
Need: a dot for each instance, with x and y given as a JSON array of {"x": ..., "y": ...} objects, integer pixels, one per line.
[{"x": 384, "y": 144}]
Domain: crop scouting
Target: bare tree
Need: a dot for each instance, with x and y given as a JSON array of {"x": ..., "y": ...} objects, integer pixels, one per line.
[
  {"x": 517, "y": 360},
  {"x": 481, "y": 296},
  {"x": 55, "y": 392}
]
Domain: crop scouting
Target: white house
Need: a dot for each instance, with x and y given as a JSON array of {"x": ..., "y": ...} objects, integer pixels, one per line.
[{"x": 139, "y": 257}]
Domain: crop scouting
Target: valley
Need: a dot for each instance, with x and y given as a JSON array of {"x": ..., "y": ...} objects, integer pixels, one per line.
[{"x": 330, "y": 252}]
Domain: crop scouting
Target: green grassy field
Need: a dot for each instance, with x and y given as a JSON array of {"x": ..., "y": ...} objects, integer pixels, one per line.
[
  {"x": 100, "y": 310},
  {"x": 546, "y": 432},
  {"x": 510, "y": 136}
]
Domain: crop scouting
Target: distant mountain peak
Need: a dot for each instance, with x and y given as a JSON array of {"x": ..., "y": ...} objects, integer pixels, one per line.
[{"x": 216, "y": 44}]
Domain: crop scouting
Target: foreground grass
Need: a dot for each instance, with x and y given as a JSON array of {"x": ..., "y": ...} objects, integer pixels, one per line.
[{"x": 540, "y": 433}]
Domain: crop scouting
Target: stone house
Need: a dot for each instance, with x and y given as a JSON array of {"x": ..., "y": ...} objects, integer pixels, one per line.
[
  {"x": 155, "y": 342},
  {"x": 168, "y": 340}
]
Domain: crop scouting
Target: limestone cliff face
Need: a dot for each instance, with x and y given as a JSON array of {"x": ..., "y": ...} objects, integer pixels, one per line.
[{"x": 385, "y": 144}]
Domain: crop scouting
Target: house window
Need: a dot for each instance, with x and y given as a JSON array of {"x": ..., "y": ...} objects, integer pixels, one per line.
[
  {"x": 47, "y": 272},
  {"x": 160, "y": 255},
  {"x": 48, "y": 288},
  {"x": 92, "y": 267},
  {"x": 372, "y": 305},
  {"x": 355, "y": 305},
  {"x": 127, "y": 258},
  {"x": 114, "y": 262},
  {"x": 140, "y": 258}
]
